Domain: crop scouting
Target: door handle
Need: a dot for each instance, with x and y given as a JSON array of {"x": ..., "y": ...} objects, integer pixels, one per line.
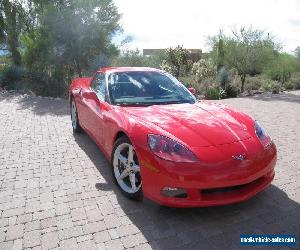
[{"x": 98, "y": 109}]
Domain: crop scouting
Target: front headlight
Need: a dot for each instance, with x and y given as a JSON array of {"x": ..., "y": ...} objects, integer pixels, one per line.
[
  {"x": 169, "y": 149},
  {"x": 262, "y": 134}
]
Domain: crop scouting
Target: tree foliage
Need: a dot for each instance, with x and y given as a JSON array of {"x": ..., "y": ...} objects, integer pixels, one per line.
[
  {"x": 129, "y": 58},
  {"x": 13, "y": 20},
  {"x": 71, "y": 34},
  {"x": 135, "y": 58},
  {"x": 247, "y": 50},
  {"x": 58, "y": 39},
  {"x": 282, "y": 67},
  {"x": 297, "y": 52}
]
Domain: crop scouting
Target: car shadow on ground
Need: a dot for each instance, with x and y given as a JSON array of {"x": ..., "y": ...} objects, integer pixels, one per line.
[{"x": 270, "y": 212}]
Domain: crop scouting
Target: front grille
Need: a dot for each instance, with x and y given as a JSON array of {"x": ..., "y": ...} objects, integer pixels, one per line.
[
  {"x": 229, "y": 192},
  {"x": 222, "y": 190}
]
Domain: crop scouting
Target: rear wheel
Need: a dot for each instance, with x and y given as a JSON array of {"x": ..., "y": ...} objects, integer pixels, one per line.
[
  {"x": 74, "y": 118},
  {"x": 126, "y": 169}
]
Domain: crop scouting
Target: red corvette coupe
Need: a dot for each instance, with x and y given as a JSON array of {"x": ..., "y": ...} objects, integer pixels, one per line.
[{"x": 167, "y": 146}]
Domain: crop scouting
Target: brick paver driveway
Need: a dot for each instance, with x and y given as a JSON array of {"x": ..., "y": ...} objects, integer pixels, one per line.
[{"x": 56, "y": 190}]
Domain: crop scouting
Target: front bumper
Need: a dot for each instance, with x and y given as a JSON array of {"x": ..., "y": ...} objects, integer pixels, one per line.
[{"x": 208, "y": 183}]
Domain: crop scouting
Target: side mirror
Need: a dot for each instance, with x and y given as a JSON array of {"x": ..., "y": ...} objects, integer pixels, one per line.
[
  {"x": 192, "y": 90},
  {"x": 92, "y": 96},
  {"x": 100, "y": 104}
]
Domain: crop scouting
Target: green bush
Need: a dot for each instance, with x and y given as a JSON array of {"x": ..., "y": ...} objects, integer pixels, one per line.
[
  {"x": 254, "y": 83},
  {"x": 271, "y": 86},
  {"x": 288, "y": 85},
  {"x": 10, "y": 75},
  {"x": 282, "y": 68},
  {"x": 15, "y": 78},
  {"x": 231, "y": 91},
  {"x": 43, "y": 85},
  {"x": 190, "y": 81},
  {"x": 293, "y": 83},
  {"x": 215, "y": 93},
  {"x": 4, "y": 60}
]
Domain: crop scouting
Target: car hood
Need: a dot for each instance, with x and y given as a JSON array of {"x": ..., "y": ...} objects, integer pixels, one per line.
[{"x": 197, "y": 125}]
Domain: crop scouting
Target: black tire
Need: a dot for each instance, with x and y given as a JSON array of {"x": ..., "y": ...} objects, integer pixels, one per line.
[
  {"x": 138, "y": 195},
  {"x": 75, "y": 123}
]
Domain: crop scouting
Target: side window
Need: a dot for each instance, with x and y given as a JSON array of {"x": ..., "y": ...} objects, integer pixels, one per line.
[{"x": 98, "y": 85}]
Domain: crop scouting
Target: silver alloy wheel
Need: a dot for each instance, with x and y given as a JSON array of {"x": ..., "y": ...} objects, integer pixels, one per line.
[
  {"x": 74, "y": 114},
  {"x": 126, "y": 168}
]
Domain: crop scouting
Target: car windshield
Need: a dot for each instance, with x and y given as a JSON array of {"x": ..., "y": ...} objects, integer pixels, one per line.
[{"x": 147, "y": 88}]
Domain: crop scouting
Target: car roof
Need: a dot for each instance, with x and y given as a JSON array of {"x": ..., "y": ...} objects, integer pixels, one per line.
[{"x": 123, "y": 69}]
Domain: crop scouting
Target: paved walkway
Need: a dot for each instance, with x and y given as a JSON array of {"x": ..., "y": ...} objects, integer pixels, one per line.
[{"x": 56, "y": 190}]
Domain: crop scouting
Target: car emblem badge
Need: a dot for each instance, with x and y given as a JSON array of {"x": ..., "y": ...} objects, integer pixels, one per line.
[{"x": 240, "y": 157}]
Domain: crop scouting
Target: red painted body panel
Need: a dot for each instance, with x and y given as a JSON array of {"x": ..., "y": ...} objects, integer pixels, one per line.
[
  {"x": 81, "y": 82},
  {"x": 214, "y": 133}
]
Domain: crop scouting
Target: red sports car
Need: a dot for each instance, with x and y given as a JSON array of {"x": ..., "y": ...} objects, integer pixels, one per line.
[{"x": 166, "y": 145}]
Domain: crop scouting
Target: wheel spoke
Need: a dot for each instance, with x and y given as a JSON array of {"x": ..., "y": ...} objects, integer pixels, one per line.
[
  {"x": 130, "y": 154},
  {"x": 73, "y": 115},
  {"x": 122, "y": 159},
  {"x": 123, "y": 174},
  {"x": 135, "y": 168},
  {"x": 132, "y": 181}
]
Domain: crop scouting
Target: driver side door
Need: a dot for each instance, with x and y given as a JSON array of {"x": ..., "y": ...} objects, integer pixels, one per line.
[{"x": 92, "y": 99}]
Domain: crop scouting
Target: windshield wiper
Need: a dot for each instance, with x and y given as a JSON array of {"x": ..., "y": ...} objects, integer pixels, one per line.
[
  {"x": 171, "y": 102},
  {"x": 133, "y": 104},
  {"x": 145, "y": 104}
]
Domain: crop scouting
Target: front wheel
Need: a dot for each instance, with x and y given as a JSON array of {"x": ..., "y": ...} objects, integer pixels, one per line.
[
  {"x": 74, "y": 117},
  {"x": 126, "y": 169}
]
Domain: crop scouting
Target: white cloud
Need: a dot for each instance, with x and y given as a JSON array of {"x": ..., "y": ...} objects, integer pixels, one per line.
[{"x": 165, "y": 23}]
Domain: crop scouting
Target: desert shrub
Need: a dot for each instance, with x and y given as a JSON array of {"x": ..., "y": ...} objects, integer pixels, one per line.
[
  {"x": 231, "y": 91},
  {"x": 271, "y": 86},
  {"x": 9, "y": 75},
  {"x": 212, "y": 93},
  {"x": 288, "y": 85},
  {"x": 253, "y": 83},
  {"x": 206, "y": 83},
  {"x": 223, "y": 77},
  {"x": 293, "y": 82},
  {"x": 190, "y": 81},
  {"x": 42, "y": 85},
  {"x": 16, "y": 78},
  {"x": 176, "y": 61},
  {"x": 222, "y": 93},
  {"x": 203, "y": 69},
  {"x": 215, "y": 93}
]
